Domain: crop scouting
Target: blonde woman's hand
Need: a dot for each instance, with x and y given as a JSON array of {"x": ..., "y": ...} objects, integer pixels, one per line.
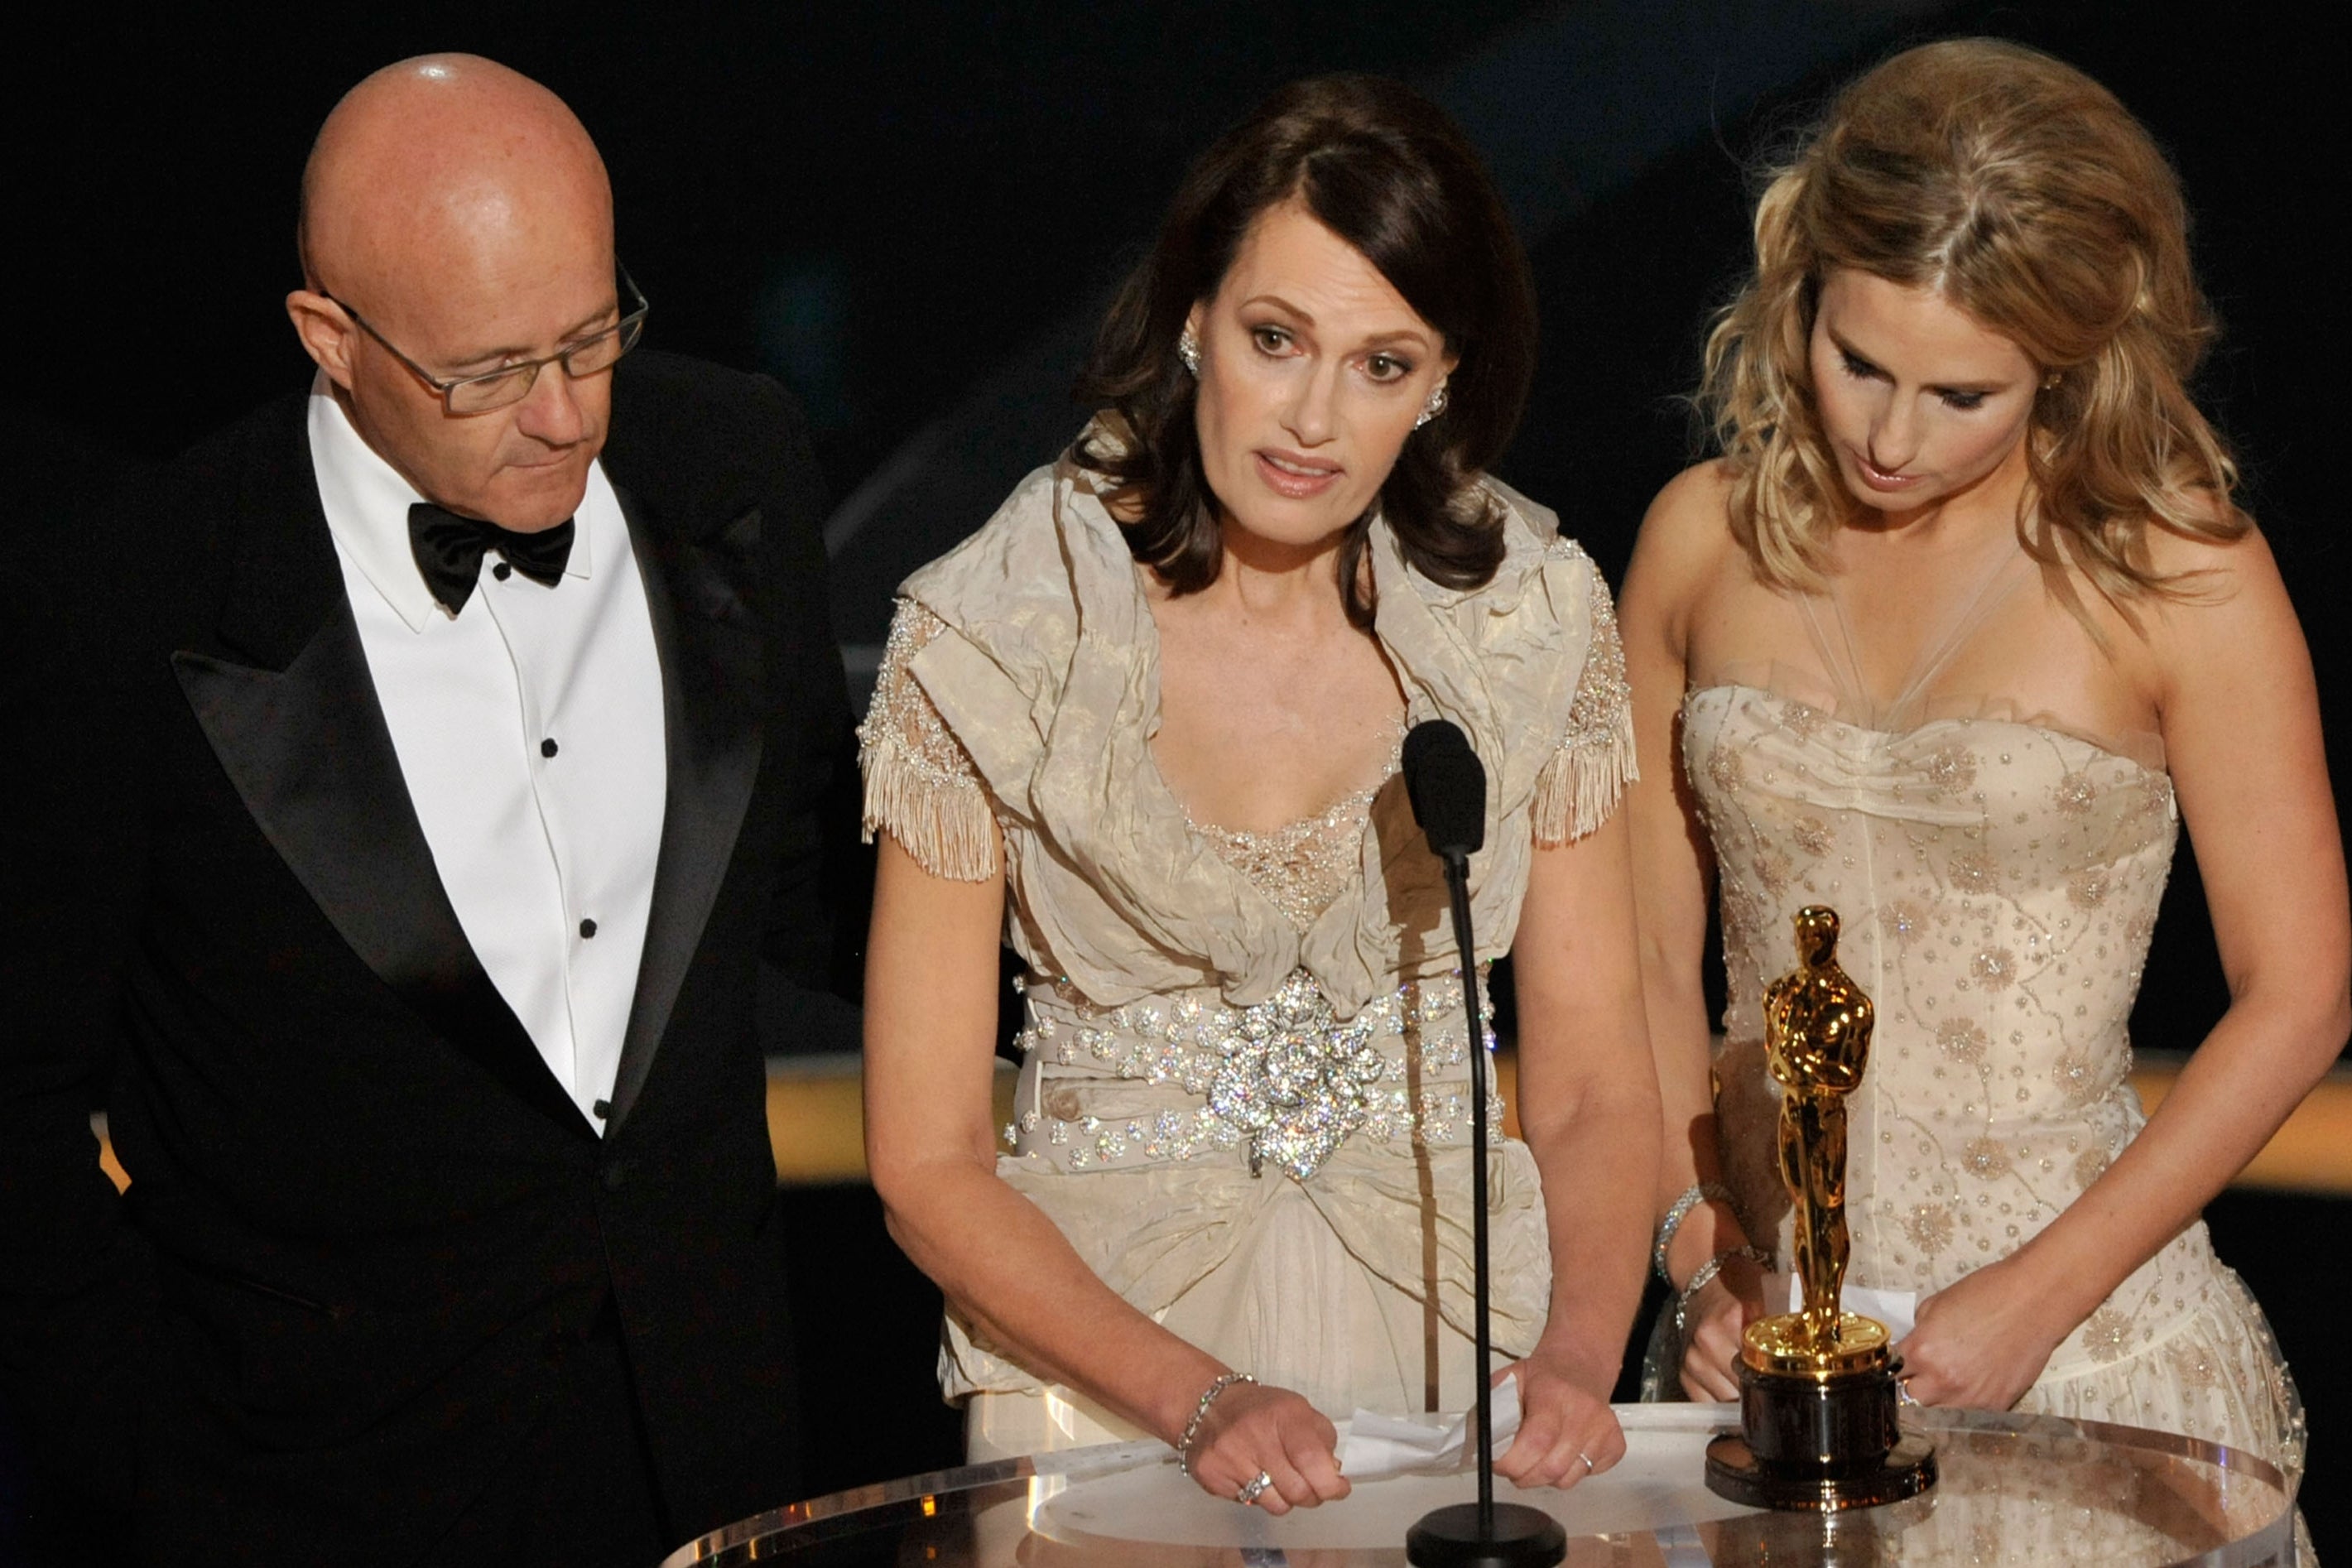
[
  {"x": 1982, "y": 1340},
  {"x": 1716, "y": 1317},
  {"x": 1253, "y": 1429}
]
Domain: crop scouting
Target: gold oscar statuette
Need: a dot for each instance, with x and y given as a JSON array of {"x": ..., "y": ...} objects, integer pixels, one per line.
[{"x": 1817, "y": 1386}]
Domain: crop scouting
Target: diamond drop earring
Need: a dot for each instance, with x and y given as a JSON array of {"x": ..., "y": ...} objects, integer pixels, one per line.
[
  {"x": 1434, "y": 407},
  {"x": 1188, "y": 348}
]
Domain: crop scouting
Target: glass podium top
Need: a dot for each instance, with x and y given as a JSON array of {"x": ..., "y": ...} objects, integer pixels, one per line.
[{"x": 2013, "y": 1490}]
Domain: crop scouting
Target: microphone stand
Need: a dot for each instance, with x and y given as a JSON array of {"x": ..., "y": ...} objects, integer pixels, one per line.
[
  {"x": 1480, "y": 1535},
  {"x": 1458, "y": 883}
]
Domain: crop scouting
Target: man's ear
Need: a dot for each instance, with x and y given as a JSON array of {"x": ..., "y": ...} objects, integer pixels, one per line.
[{"x": 325, "y": 330}]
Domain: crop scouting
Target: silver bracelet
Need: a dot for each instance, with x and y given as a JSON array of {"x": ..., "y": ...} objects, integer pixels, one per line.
[
  {"x": 1692, "y": 1195},
  {"x": 1200, "y": 1413},
  {"x": 1706, "y": 1277}
]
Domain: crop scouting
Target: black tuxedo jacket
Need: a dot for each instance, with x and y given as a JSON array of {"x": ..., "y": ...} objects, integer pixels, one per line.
[{"x": 363, "y": 1216}]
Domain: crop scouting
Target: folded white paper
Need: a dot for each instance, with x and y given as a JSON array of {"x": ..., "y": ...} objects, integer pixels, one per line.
[
  {"x": 1898, "y": 1310},
  {"x": 1373, "y": 1445}
]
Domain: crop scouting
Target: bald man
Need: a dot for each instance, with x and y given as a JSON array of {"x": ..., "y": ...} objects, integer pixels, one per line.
[{"x": 445, "y": 749}]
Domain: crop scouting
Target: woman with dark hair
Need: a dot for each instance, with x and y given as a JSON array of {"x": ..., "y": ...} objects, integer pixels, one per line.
[
  {"x": 1144, "y": 726},
  {"x": 1959, "y": 629}
]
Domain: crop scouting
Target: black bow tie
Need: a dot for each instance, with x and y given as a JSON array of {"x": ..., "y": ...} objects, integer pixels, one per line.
[{"x": 448, "y": 551}]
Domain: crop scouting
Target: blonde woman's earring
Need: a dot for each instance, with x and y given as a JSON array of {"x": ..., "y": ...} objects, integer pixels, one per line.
[{"x": 1434, "y": 407}]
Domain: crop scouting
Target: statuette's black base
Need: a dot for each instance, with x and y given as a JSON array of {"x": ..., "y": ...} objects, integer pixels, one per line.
[
  {"x": 1818, "y": 1443},
  {"x": 1734, "y": 1471},
  {"x": 1448, "y": 1537}
]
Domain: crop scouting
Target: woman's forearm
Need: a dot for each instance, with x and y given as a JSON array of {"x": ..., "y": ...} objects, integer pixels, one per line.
[
  {"x": 1587, "y": 1092},
  {"x": 2230, "y": 679},
  {"x": 1595, "y": 1158},
  {"x": 1689, "y": 1155},
  {"x": 1015, "y": 1279},
  {"x": 931, "y": 1144},
  {"x": 2237, "y": 1088}
]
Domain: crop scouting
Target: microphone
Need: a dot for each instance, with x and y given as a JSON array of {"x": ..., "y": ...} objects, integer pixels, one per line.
[{"x": 1447, "y": 785}]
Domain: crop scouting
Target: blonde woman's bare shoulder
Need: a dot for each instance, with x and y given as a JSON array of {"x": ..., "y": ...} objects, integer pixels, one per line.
[
  {"x": 1686, "y": 533},
  {"x": 2225, "y": 608},
  {"x": 2207, "y": 568},
  {"x": 1697, "y": 501},
  {"x": 2208, "y": 588}
]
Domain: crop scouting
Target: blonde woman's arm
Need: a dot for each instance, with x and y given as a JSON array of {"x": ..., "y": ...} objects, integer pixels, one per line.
[
  {"x": 1678, "y": 554},
  {"x": 2232, "y": 682}
]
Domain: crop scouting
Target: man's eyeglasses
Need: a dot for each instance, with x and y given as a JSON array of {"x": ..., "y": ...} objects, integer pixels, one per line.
[{"x": 511, "y": 384}]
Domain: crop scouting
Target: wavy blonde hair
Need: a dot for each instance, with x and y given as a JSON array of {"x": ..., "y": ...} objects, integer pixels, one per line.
[{"x": 2028, "y": 196}]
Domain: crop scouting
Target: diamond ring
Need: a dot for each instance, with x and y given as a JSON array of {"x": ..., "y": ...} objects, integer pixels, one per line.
[{"x": 1251, "y": 1488}]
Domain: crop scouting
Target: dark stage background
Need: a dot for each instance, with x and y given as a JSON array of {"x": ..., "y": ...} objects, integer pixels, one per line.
[{"x": 908, "y": 214}]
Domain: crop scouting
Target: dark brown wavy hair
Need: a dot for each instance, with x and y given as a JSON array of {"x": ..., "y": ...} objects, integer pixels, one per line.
[{"x": 1385, "y": 170}]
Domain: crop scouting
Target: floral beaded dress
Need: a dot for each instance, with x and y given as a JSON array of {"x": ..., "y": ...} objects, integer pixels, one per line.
[
  {"x": 1245, "y": 1072},
  {"x": 1998, "y": 880}
]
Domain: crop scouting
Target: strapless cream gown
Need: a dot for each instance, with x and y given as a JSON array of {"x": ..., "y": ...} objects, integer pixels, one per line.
[{"x": 1997, "y": 878}]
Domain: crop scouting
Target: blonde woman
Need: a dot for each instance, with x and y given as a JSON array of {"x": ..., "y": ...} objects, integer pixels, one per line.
[{"x": 1956, "y": 634}]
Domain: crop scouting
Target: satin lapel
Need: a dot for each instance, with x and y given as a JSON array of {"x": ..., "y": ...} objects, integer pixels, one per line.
[
  {"x": 705, "y": 631},
  {"x": 309, "y": 755}
]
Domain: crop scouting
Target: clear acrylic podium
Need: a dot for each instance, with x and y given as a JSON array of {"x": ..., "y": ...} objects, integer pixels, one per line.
[{"x": 2016, "y": 1490}]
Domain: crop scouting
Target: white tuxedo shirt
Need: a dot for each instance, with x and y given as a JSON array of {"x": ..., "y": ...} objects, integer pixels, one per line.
[{"x": 530, "y": 732}]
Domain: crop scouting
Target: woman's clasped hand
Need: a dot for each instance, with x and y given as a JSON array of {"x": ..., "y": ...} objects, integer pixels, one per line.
[
  {"x": 1567, "y": 1431},
  {"x": 1254, "y": 1431},
  {"x": 1981, "y": 1341},
  {"x": 1715, "y": 1317}
]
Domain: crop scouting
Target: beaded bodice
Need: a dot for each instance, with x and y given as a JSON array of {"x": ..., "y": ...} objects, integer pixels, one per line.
[
  {"x": 1998, "y": 882},
  {"x": 1998, "y": 873},
  {"x": 1303, "y": 867}
]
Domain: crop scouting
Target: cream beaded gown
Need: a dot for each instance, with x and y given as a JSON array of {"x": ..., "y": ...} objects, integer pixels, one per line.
[
  {"x": 1244, "y": 1074},
  {"x": 1998, "y": 879}
]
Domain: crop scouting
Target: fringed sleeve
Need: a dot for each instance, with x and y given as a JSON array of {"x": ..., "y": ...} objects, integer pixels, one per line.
[
  {"x": 1583, "y": 783},
  {"x": 920, "y": 785}
]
